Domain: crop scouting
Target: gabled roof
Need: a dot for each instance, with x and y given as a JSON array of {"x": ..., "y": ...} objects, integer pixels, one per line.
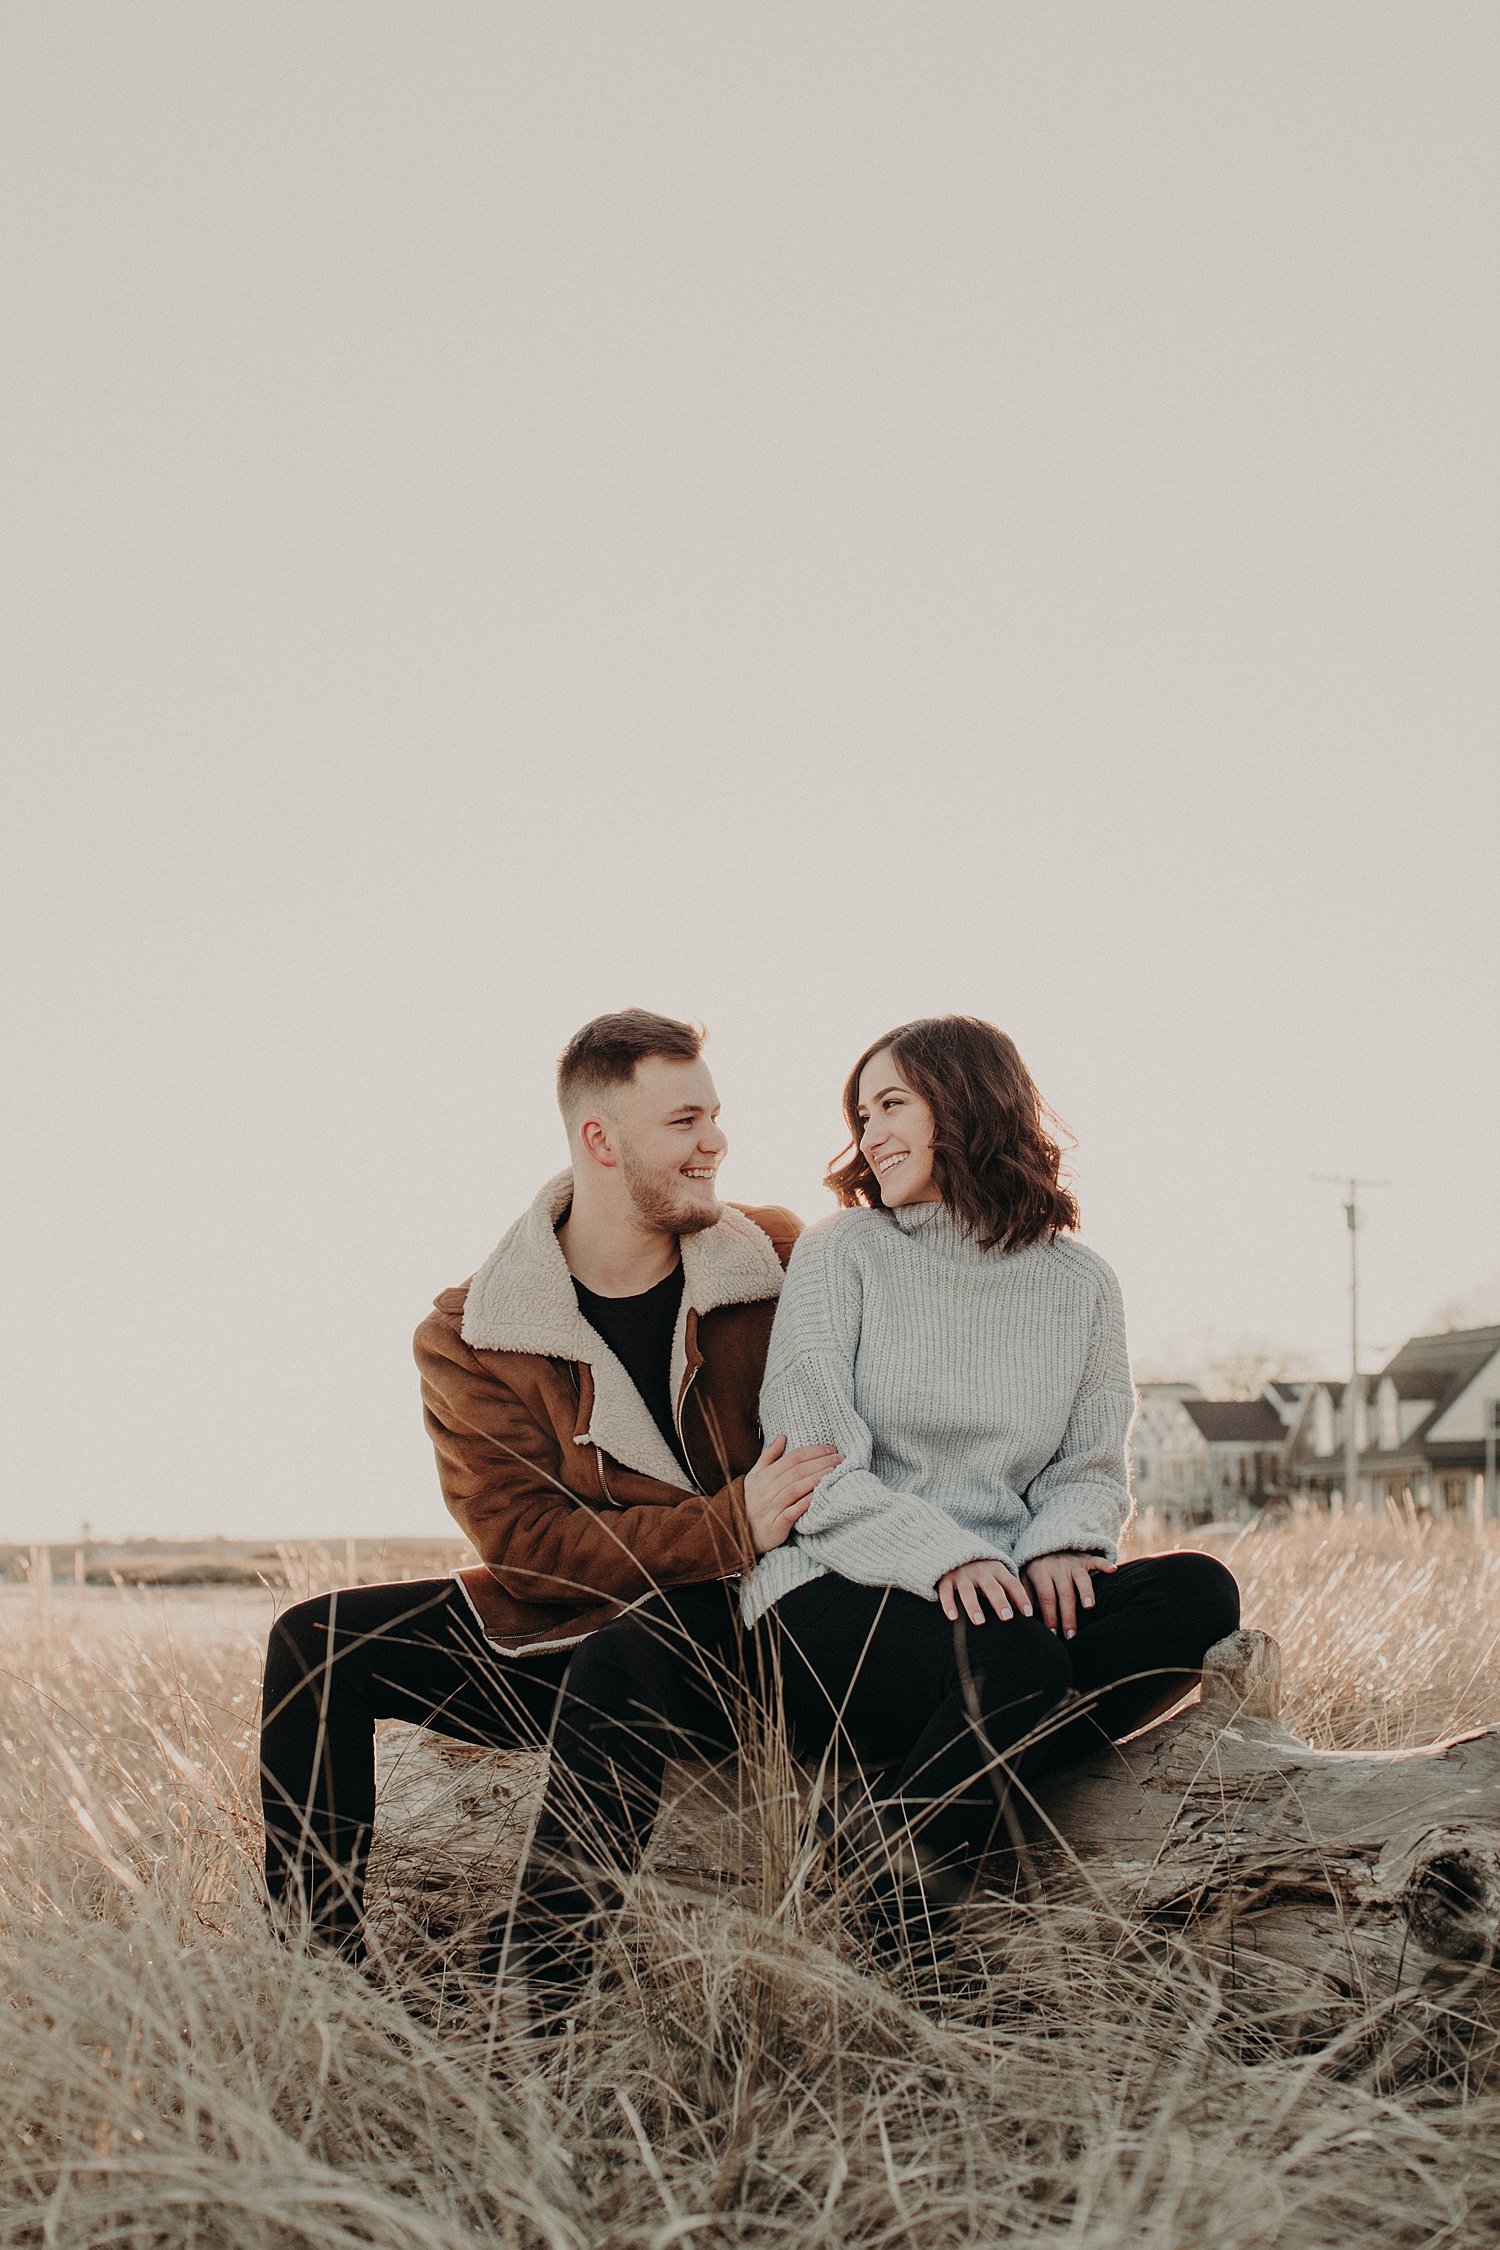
[
  {"x": 1438, "y": 1367},
  {"x": 1248, "y": 1421}
]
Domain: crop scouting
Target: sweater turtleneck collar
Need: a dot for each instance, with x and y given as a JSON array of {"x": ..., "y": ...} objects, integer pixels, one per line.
[{"x": 939, "y": 1228}]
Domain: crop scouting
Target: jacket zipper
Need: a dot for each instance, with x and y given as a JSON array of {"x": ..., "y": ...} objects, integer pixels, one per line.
[
  {"x": 687, "y": 1459},
  {"x": 598, "y": 1449}
]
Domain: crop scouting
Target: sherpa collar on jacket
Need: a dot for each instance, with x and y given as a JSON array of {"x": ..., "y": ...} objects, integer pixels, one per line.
[{"x": 521, "y": 1300}]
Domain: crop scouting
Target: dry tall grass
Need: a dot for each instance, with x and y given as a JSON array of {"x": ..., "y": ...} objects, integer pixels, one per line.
[{"x": 172, "y": 2076}]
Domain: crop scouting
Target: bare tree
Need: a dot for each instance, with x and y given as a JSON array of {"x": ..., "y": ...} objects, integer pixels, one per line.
[
  {"x": 1470, "y": 1308},
  {"x": 1225, "y": 1366}
]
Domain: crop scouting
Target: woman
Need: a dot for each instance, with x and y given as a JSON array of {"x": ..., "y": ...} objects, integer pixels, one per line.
[
  {"x": 953, "y": 1581},
  {"x": 956, "y": 1576}
]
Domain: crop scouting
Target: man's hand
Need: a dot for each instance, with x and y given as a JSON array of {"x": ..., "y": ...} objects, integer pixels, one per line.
[
  {"x": 1000, "y": 1586},
  {"x": 780, "y": 1486},
  {"x": 1063, "y": 1586}
]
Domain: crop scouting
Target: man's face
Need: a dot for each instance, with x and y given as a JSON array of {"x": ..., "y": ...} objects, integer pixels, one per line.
[{"x": 666, "y": 1138}]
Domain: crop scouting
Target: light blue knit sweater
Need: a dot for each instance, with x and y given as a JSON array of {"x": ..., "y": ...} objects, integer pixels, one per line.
[{"x": 981, "y": 1400}]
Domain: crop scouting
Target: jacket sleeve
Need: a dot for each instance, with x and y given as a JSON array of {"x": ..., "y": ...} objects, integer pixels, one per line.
[
  {"x": 500, "y": 1469},
  {"x": 1081, "y": 1501},
  {"x": 856, "y": 1525}
]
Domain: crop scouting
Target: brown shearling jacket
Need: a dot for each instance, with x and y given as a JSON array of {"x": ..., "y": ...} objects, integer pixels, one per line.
[{"x": 547, "y": 1453}]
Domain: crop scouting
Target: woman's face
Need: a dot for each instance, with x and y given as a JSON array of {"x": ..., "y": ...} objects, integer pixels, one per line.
[{"x": 896, "y": 1130}]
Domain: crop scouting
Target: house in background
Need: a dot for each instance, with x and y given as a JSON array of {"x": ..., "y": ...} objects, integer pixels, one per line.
[
  {"x": 1419, "y": 1424},
  {"x": 1168, "y": 1465},
  {"x": 1197, "y": 1459}
]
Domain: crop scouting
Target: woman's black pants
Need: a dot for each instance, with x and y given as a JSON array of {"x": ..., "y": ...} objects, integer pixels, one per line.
[
  {"x": 871, "y": 1673},
  {"x": 334, "y": 1666}
]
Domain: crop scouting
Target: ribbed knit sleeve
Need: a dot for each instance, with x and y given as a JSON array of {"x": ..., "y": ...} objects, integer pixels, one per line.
[
  {"x": 856, "y": 1525},
  {"x": 1081, "y": 1501}
]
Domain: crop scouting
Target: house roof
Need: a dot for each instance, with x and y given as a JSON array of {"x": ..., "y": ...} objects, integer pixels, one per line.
[
  {"x": 1427, "y": 1366},
  {"x": 1250, "y": 1421},
  {"x": 1336, "y": 1389},
  {"x": 1438, "y": 1367}
]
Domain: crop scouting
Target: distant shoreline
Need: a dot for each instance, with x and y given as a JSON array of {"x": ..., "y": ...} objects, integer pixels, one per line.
[{"x": 278, "y": 1564}]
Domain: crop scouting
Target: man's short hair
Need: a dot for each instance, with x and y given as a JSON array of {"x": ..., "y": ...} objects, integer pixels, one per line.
[{"x": 603, "y": 1055}]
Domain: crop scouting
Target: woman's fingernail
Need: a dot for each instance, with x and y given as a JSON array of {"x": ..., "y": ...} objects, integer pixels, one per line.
[{"x": 1068, "y": 1635}]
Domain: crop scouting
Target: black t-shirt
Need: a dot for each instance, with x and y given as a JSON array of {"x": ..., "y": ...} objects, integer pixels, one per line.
[{"x": 639, "y": 1331}]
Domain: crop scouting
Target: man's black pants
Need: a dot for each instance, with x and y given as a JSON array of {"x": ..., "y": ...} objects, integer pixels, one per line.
[
  {"x": 874, "y": 1672},
  {"x": 334, "y": 1666}
]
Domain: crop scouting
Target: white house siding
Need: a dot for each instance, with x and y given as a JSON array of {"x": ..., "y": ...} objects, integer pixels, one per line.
[
  {"x": 1169, "y": 1463},
  {"x": 1462, "y": 1420}
]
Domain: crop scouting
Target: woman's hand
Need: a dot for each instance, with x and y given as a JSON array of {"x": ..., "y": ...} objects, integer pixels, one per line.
[
  {"x": 780, "y": 1487},
  {"x": 1063, "y": 1586},
  {"x": 1000, "y": 1587}
]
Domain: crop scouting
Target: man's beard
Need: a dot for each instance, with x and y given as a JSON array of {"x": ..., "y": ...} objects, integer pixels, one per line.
[{"x": 662, "y": 1198}]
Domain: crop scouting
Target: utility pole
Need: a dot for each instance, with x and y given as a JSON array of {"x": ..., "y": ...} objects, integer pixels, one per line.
[{"x": 1352, "y": 1400}]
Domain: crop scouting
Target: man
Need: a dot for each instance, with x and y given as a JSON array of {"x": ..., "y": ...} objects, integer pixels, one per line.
[{"x": 592, "y": 1396}]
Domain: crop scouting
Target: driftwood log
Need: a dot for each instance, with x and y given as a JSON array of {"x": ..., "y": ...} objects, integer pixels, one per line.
[{"x": 1317, "y": 1877}]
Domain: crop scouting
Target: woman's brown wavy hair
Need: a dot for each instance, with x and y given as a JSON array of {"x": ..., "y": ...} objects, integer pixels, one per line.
[{"x": 994, "y": 1162}]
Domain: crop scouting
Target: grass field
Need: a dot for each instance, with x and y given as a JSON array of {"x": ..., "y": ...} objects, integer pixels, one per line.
[{"x": 172, "y": 2076}]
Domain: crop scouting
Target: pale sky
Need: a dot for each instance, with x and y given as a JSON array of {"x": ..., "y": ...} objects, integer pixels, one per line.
[{"x": 798, "y": 515}]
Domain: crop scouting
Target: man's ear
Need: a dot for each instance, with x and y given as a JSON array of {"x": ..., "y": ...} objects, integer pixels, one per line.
[{"x": 594, "y": 1134}]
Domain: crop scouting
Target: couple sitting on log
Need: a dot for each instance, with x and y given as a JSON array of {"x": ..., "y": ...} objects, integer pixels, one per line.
[{"x": 884, "y": 1487}]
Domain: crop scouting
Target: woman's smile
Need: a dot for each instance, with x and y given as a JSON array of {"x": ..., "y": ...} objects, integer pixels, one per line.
[{"x": 903, "y": 1168}]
